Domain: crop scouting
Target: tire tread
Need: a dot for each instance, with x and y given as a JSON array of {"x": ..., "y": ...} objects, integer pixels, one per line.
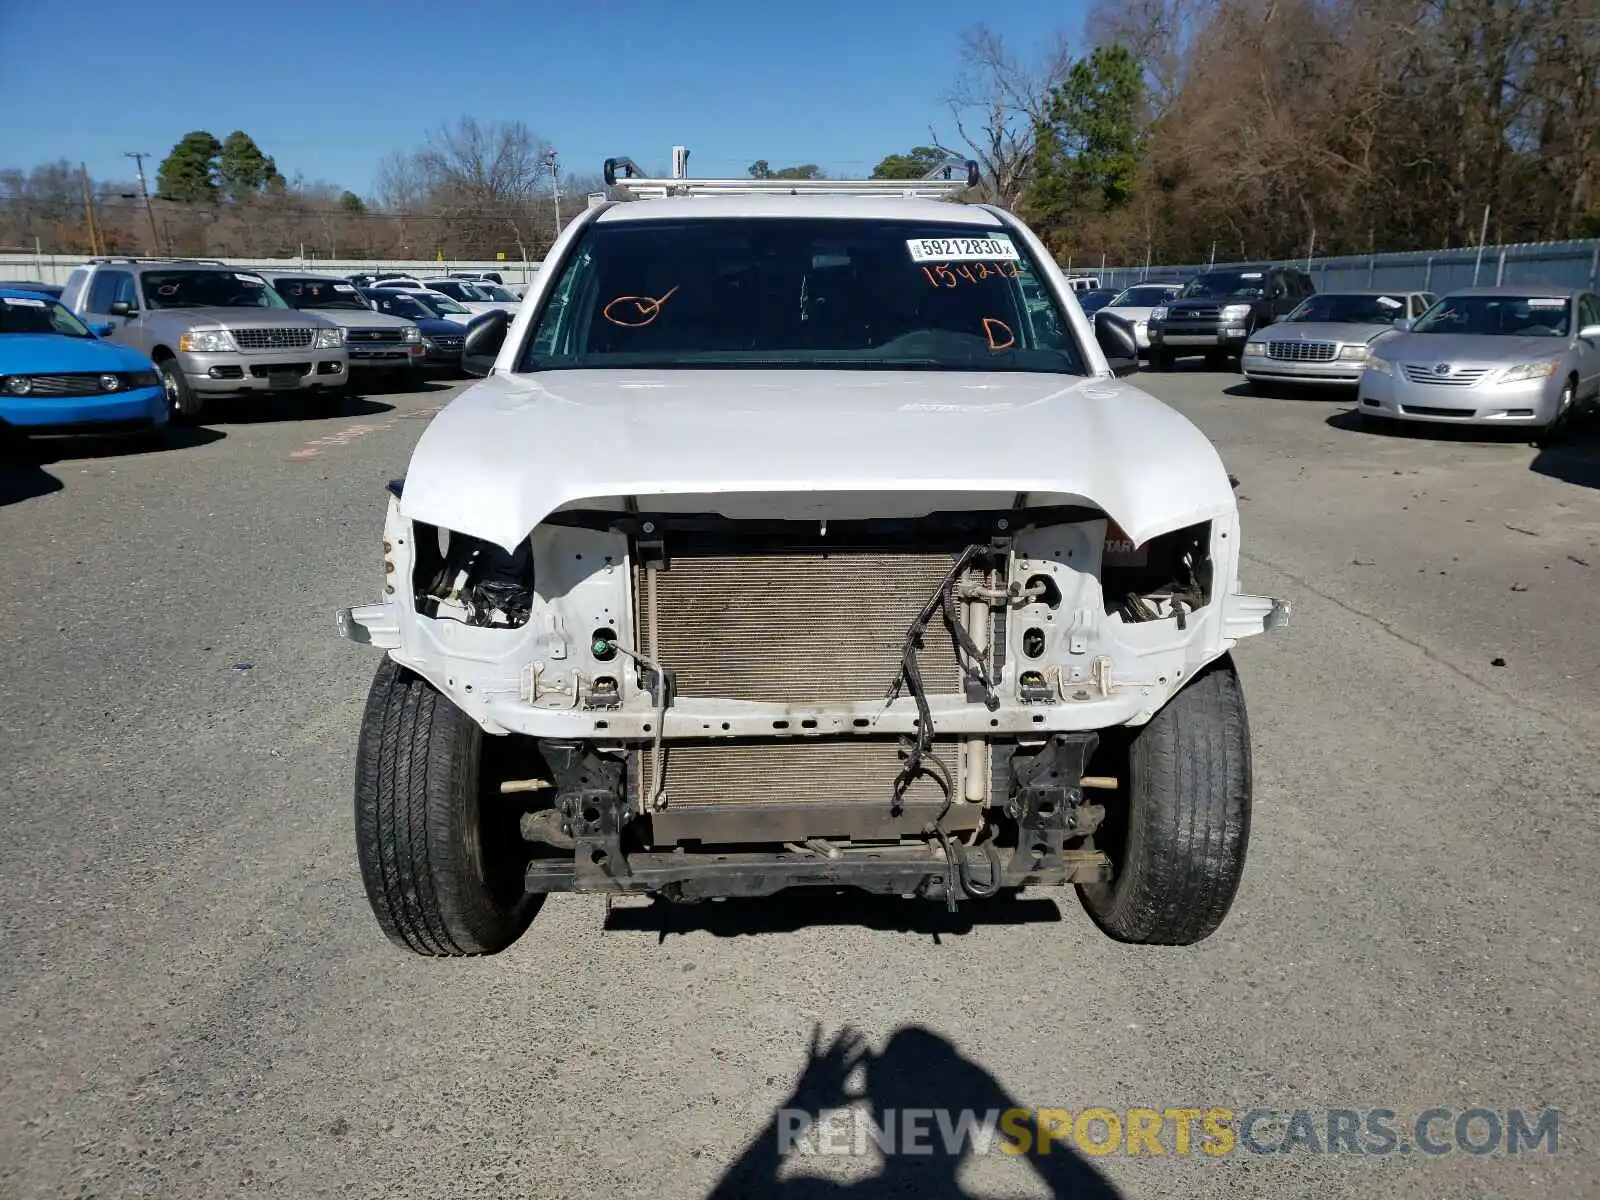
[
  {"x": 1190, "y": 780},
  {"x": 415, "y": 793}
]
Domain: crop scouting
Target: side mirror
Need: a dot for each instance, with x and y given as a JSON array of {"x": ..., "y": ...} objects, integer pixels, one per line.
[
  {"x": 103, "y": 329},
  {"x": 1403, "y": 324},
  {"x": 1589, "y": 331},
  {"x": 1117, "y": 342},
  {"x": 121, "y": 308},
  {"x": 486, "y": 333}
]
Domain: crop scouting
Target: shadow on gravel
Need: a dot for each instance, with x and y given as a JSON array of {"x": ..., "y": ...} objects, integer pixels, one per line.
[
  {"x": 251, "y": 410},
  {"x": 1286, "y": 391},
  {"x": 21, "y": 481},
  {"x": 1575, "y": 461},
  {"x": 1429, "y": 431},
  {"x": 175, "y": 437},
  {"x": 803, "y": 908},
  {"x": 1187, "y": 366},
  {"x": 916, "y": 1072}
]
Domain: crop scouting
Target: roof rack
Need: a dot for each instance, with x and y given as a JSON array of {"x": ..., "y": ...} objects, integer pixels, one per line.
[
  {"x": 130, "y": 258},
  {"x": 941, "y": 183}
]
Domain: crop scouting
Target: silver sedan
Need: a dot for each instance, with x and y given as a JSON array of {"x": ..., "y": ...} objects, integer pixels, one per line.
[
  {"x": 1326, "y": 339},
  {"x": 1527, "y": 356}
]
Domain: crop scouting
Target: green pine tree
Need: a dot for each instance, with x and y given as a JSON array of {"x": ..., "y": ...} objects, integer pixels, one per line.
[
  {"x": 189, "y": 173},
  {"x": 242, "y": 168}
]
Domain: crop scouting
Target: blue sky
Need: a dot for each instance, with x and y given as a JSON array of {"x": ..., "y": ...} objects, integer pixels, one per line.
[{"x": 329, "y": 87}]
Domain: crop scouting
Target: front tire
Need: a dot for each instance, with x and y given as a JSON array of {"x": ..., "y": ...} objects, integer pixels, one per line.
[
  {"x": 1559, "y": 424},
  {"x": 183, "y": 404},
  {"x": 441, "y": 856},
  {"x": 1182, "y": 818}
]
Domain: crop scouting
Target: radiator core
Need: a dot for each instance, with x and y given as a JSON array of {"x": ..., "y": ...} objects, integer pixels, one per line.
[{"x": 801, "y": 626}]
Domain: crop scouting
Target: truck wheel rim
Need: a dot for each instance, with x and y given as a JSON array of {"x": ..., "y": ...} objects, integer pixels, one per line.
[{"x": 169, "y": 385}]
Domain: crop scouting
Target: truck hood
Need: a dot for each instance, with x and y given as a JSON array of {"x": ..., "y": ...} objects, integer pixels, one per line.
[
  {"x": 53, "y": 353},
  {"x": 511, "y": 450},
  {"x": 1349, "y": 332},
  {"x": 1214, "y": 301},
  {"x": 241, "y": 318},
  {"x": 351, "y": 318}
]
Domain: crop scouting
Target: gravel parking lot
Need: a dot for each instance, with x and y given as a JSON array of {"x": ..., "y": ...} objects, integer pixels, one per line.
[{"x": 196, "y": 1001}]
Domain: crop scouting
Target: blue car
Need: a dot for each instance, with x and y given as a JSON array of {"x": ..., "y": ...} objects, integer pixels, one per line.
[
  {"x": 442, "y": 339},
  {"x": 58, "y": 377}
]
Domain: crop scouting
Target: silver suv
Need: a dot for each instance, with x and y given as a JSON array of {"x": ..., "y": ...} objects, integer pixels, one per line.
[
  {"x": 213, "y": 331},
  {"x": 376, "y": 342}
]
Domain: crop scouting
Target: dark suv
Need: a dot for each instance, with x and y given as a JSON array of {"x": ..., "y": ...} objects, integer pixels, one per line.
[{"x": 1217, "y": 311}]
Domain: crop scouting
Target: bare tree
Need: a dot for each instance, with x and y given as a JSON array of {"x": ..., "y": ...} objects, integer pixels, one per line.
[
  {"x": 493, "y": 163},
  {"x": 1155, "y": 32},
  {"x": 995, "y": 101}
]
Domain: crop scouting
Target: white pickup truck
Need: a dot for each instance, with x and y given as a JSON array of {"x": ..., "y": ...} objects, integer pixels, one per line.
[{"x": 786, "y": 544}]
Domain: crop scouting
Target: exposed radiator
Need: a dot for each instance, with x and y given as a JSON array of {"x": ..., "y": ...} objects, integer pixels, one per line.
[
  {"x": 802, "y": 625},
  {"x": 807, "y": 627}
]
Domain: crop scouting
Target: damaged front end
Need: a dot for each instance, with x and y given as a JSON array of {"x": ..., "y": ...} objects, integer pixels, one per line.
[{"x": 935, "y": 704}]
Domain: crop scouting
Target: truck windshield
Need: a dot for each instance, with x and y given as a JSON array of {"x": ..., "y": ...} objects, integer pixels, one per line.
[
  {"x": 320, "y": 293},
  {"x": 1217, "y": 284},
  {"x": 208, "y": 289},
  {"x": 1351, "y": 309},
  {"x": 1504, "y": 316},
  {"x": 801, "y": 292}
]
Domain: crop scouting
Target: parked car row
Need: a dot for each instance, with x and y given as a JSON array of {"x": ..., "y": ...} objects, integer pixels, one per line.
[
  {"x": 127, "y": 345},
  {"x": 1516, "y": 356}
]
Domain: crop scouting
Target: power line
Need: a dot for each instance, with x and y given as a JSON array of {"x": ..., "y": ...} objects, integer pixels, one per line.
[{"x": 178, "y": 207}]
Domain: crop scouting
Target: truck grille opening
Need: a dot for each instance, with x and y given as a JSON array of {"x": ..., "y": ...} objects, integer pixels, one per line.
[
  {"x": 288, "y": 337},
  {"x": 799, "y": 770}
]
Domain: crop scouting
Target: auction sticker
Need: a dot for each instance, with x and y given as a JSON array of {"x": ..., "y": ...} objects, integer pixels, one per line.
[
  {"x": 21, "y": 302},
  {"x": 961, "y": 249},
  {"x": 1552, "y": 302}
]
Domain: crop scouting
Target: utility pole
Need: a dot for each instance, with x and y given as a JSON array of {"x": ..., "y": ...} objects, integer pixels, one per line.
[
  {"x": 1483, "y": 234},
  {"x": 88, "y": 211},
  {"x": 138, "y": 157},
  {"x": 548, "y": 159}
]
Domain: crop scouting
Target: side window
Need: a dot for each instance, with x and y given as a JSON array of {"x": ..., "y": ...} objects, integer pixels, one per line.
[
  {"x": 1588, "y": 311},
  {"x": 73, "y": 295},
  {"x": 1306, "y": 286},
  {"x": 125, "y": 290},
  {"x": 1280, "y": 288},
  {"x": 102, "y": 291}
]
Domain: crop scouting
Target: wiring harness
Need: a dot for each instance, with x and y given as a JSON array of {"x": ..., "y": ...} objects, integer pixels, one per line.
[{"x": 917, "y": 752}]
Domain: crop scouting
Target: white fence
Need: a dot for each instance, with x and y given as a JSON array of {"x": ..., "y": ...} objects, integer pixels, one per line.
[{"x": 54, "y": 268}]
